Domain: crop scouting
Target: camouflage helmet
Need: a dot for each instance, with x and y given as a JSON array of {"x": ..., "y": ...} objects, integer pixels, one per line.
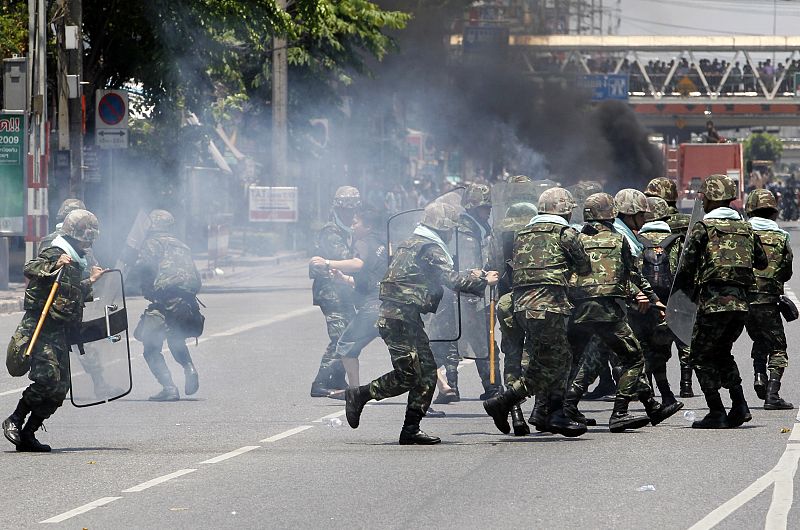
[
  {"x": 599, "y": 207},
  {"x": 630, "y": 201},
  {"x": 67, "y": 206},
  {"x": 718, "y": 188},
  {"x": 760, "y": 200},
  {"x": 519, "y": 179},
  {"x": 659, "y": 209},
  {"x": 161, "y": 221},
  {"x": 556, "y": 201},
  {"x": 476, "y": 195},
  {"x": 522, "y": 209},
  {"x": 347, "y": 197},
  {"x": 662, "y": 187},
  {"x": 440, "y": 216},
  {"x": 81, "y": 225}
]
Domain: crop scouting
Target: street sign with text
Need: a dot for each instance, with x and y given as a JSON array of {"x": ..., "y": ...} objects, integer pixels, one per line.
[
  {"x": 12, "y": 173},
  {"x": 273, "y": 204},
  {"x": 606, "y": 86},
  {"x": 111, "y": 119}
]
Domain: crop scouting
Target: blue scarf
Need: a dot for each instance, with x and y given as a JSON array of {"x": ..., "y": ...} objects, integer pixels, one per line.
[
  {"x": 761, "y": 223},
  {"x": 622, "y": 229},
  {"x": 64, "y": 245},
  {"x": 340, "y": 224},
  {"x": 723, "y": 212},
  {"x": 427, "y": 233},
  {"x": 655, "y": 226},
  {"x": 548, "y": 218}
]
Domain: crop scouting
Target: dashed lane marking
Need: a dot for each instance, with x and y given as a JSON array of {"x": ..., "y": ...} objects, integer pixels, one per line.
[
  {"x": 82, "y": 509},
  {"x": 232, "y": 454},
  {"x": 158, "y": 480},
  {"x": 15, "y": 391},
  {"x": 286, "y": 434}
]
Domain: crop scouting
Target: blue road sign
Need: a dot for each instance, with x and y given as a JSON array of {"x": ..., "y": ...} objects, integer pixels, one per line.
[
  {"x": 111, "y": 108},
  {"x": 606, "y": 86}
]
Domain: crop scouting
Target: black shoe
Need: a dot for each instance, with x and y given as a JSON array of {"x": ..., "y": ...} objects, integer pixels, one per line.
[
  {"x": 658, "y": 412},
  {"x": 444, "y": 398},
  {"x": 354, "y": 404},
  {"x": 319, "y": 390},
  {"x": 571, "y": 400},
  {"x": 518, "y": 421},
  {"x": 538, "y": 418},
  {"x": 716, "y": 417},
  {"x": 11, "y": 428},
  {"x": 760, "y": 385},
  {"x": 192, "y": 380},
  {"x": 492, "y": 392},
  {"x": 166, "y": 394},
  {"x": 622, "y": 420},
  {"x": 412, "y": 435},
  {"x": 499, "y": 407},
  {"x": 686, "y": 382},
  {"x": 559, "y": 423},
  {"x": 601, "y": 391},
  {"x": 774, "y": 401},
  {"x": 739, "y": 412},
  {"x": 27, "y": 439},
  {"x": 434, "y": 413}
]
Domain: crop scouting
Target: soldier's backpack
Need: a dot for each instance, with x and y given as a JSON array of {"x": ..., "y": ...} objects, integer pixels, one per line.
[{"x": 655, "y": 264}]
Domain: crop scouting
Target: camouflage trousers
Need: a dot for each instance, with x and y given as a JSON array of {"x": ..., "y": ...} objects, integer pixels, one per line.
[
  {"x": 654, "y": 337},
  {"x": 620, "y": 338},
  {"x": 595, "y": 358},
  {"x": 712, "y": 341},
  {"x": 443, "y": 325},
  {"x": 153, "y": 330},
  {"x": 414, "y": 368},
  {"x": 337, "y": 318},
  {"x": 765, "y": 327},
  {"x": 512, "y": 339},
  {"x": 550, "y": 357},
  {"x": 49, "y": 368}
]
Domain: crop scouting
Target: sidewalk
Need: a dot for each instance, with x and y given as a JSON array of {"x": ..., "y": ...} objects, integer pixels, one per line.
[{"x": 236, "y": 267}]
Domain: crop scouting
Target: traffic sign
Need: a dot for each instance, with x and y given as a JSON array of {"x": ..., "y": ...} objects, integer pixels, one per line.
[
  {"x": 606, "y": 86},
  {"x": 111, "y": 119}
]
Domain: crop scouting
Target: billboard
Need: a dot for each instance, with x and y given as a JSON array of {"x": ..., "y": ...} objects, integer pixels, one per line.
[
  {"x": 606, "y": 86},
  {"x": 273, "y": 204},
  {"x": 12, "y": 173}
]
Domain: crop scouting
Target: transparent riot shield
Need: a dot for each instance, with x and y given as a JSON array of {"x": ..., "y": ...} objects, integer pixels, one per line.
[
  {"x": 681, "y": 308},
  {"x": 99, "y": 362},
  {"x": 128, "y": 256},
  {"x": 471, "y": 253},
  {"x": 445, "y": 324}
]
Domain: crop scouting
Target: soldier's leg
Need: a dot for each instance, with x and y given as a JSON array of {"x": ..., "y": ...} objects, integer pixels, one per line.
[
  {"x": 180, "y": 352},
  {"x": 359, "y": 333},
  {"x": 512, "y": 339},
  {"x": 686, "y": 369},
  {"x": 772, "y": 341},
  {"x": 419, "y": 396},
  {"x": 599, "y": 358},
  {"x": 331, "y": 372},
  {"x": 762, "y": 347},
  {"x": 401, "y": 338},
  {"x": 583, "y": 370},
  {"x": 152, "y": 331}
]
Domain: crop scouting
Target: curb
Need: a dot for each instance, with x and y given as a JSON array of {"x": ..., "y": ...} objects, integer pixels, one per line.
[
  {"x": 271, "y": 261},
  {"x": 12, "y": 305}
]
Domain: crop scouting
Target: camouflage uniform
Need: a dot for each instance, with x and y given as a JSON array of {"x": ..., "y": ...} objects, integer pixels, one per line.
[{"x": 171, "y": 282}]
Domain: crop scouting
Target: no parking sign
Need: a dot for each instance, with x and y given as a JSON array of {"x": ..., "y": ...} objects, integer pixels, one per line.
[{"x": 111, "y": 119}]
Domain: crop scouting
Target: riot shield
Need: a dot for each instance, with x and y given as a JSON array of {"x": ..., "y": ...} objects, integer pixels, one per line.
[
  {"x": 112, "y": 291},
  {"x": 681, "y": 307},
  {"x": 471, "y": 253},
  {"x": 99, "y": 361}
]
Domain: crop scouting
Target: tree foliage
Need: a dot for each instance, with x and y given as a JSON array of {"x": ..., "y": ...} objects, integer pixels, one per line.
[
  {"x": 13, "y": 27},
  {"x": 763, "y": 146}
]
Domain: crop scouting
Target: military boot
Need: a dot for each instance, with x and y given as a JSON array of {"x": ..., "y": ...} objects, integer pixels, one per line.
[
  {"x": 411, "y": 434},
  {"x": 658, "y": 412},
  {"x": 355, "y": 399},
  {"x": 559, "y": 423},
  {"x": 605, "y": 387},
  {"x": 716, "y": 417},
  {"x": 775, "y": 401},
  {"x": 760, "y": 385},
  {"x": 27, "y": 439},
  {"x": 192, "y": 381},
  {"x": 444, "y": 398},
  {"x": 571, "y": 400},
  {"x": 499, "y": 406},
  {"x": 621, "y": 419},
  {"x": 667, "y": 396},
  {"x": 686, "y": 382},
  {"x": 541, "y": 409},
  {"x": 435, "y": 413},
  {"x": 13, "y": 424},
  {"x": 168, "y": 393},
  {"x": 739, "y": 413},
  {"x": 518, "y": 421}
]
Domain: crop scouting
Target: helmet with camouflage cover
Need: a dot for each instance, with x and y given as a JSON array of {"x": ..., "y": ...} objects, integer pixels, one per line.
[
  {"x": 476, "y": 195},
  {"x": 161, "y": 221},
  {"x": 599, "y": 207},
  {"x": 440, "y": 216},
  {"x": 81, "y": 225},
  {"x": 557, "y": 201},
  {"x": 522, "y": 209},
  {"x": 630, "y": 201},
  {"x": 67, "y": 206},
  {"x": 659, "y": 209},
  {"x": 519, "y": 179},
  {"x": 662, "y": 187},
  {"x": 760, "y": 200},
  {"x": 347, "y": 197},
  {"x": 718, "y": 188}
]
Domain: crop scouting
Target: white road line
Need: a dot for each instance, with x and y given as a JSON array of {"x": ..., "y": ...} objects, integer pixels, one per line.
[
  {"x": 330, "y": 416},
  {"x": 159, "y": 480},
  {"x": 783, "y": 493},
  {"x": 286, "y": 434},
  {"x": 226, "y": 456},
  {"x": 266, "y": 322},
  {"x": 714, "y": 518},
  {"x": 82, "y": 509},
  {"x": 15, "y": 391}
]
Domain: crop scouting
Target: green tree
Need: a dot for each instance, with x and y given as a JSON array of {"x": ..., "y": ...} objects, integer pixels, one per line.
[
  {"x": 763, "y": 146},
  {"x": 13, "y": 27}
]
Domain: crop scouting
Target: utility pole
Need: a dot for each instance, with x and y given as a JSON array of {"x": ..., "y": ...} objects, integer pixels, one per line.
[
  {"x": 74, "y": 17},
  {"x": 279, "y": 103}
]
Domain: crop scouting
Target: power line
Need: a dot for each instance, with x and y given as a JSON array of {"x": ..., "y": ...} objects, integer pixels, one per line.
[{"x": 678, "y": 26}]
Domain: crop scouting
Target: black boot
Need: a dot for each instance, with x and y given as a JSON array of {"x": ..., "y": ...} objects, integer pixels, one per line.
[
  {"x": 559, "y": 423},
  {"x": 541, "y": 409},
  {"x": 490, "y": 392},
  {"x": 760, "y": 385},
  {"x": 499, "y": 406},
  {"x": 686, "y": 382},
  {"x": 571, "y": 400},
  {"x": 411, "y": 433},
  {"x": 518, "y": 421},
  {"x": 658, "y": 412},
  {"x": 319, "y": 389},
  {"x": 435, "y": 413},
  {"x": 716, "y": 417},
  {"x": 739, "y": 412},
  {"x": 621, "y": 419},
  {"x": 192, "y": 381},
  {"x": 667, "y": 396},
  {"x": 605, "y": 387},
  {"x": 775, "y": 401},
  {"x": 444, "y": 398},
  {"x": 337, "y": 380},
  {"x": 13, "y": 424},
  {"x": 27, "y": 439},
  {"x": 355, "y": 399},
  {"x": 159, "y": 368},
  {"x": 166, "y": 394}
]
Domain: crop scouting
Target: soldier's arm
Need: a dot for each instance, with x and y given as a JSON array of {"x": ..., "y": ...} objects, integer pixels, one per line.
[
  {"x": 43, "y": 265},
  {"x": 580, "y": 263},
  {"x": 333, "y": 246},
  {"x": 435, "y": 262},
  {"x": 784, "y": 272},
  {"x": 760, "y": 259},
  {"x": 696, "y": 243},
  {"x": 636, "y": 278}
]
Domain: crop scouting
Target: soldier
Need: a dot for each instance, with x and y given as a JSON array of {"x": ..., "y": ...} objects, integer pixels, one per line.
[
  {"x": 66, "y": 207},
  {"x": 678, "y": 222},
  {"x": 718, "y": 261},
  {"x": 49, "y": 358},
  {"x": 600, "y": 310},
  {"x": 170, "y": 282},
  {"x": 335, "y": 300},
  {"x": 421, "y": 266},
  {"x": 764, "y": 324},
  {"x": 545, "y": 253}
]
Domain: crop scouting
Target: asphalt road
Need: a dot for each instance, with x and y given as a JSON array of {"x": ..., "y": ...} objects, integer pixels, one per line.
[{"x": 252, "y": 450}]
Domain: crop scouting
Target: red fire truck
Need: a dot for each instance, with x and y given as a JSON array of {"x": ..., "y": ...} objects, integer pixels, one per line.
[{"x": 689, "y": 164}]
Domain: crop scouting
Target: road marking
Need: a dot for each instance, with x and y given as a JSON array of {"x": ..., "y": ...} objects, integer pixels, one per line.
[
  {"x": 232, "y": 454},
  {"x": 286, "y": 434},
  {"x": 15, "y": 391},
  {"x": 331, "y": 416},
  {"x": 82, "y": 509},
  {"x": 159, "y": 480},
  {"x": 793, "y": 297},
  {"x": 266, "y": 322}
]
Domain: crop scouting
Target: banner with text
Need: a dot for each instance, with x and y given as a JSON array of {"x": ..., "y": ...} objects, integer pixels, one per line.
[
  {"x": 12, "y": 173},
  {"x": 273, "y": 204}
]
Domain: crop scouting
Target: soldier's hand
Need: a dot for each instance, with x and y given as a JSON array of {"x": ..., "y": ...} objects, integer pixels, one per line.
[
  {"x": 317, "y": 261},
  {"x": 662, "y": 309},
  {"x": 478, "y": 273},
  {"x": 63, "y": 259},
  {"x": 643, "y": 302},
  {"x": 492, "y": 277},
  {"x": 95, "y": 273}
]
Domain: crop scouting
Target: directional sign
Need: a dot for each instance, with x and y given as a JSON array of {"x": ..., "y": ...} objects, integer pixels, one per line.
[
  {"x": 111, "y": 119},
  {"x": 606, "y": 86}
]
